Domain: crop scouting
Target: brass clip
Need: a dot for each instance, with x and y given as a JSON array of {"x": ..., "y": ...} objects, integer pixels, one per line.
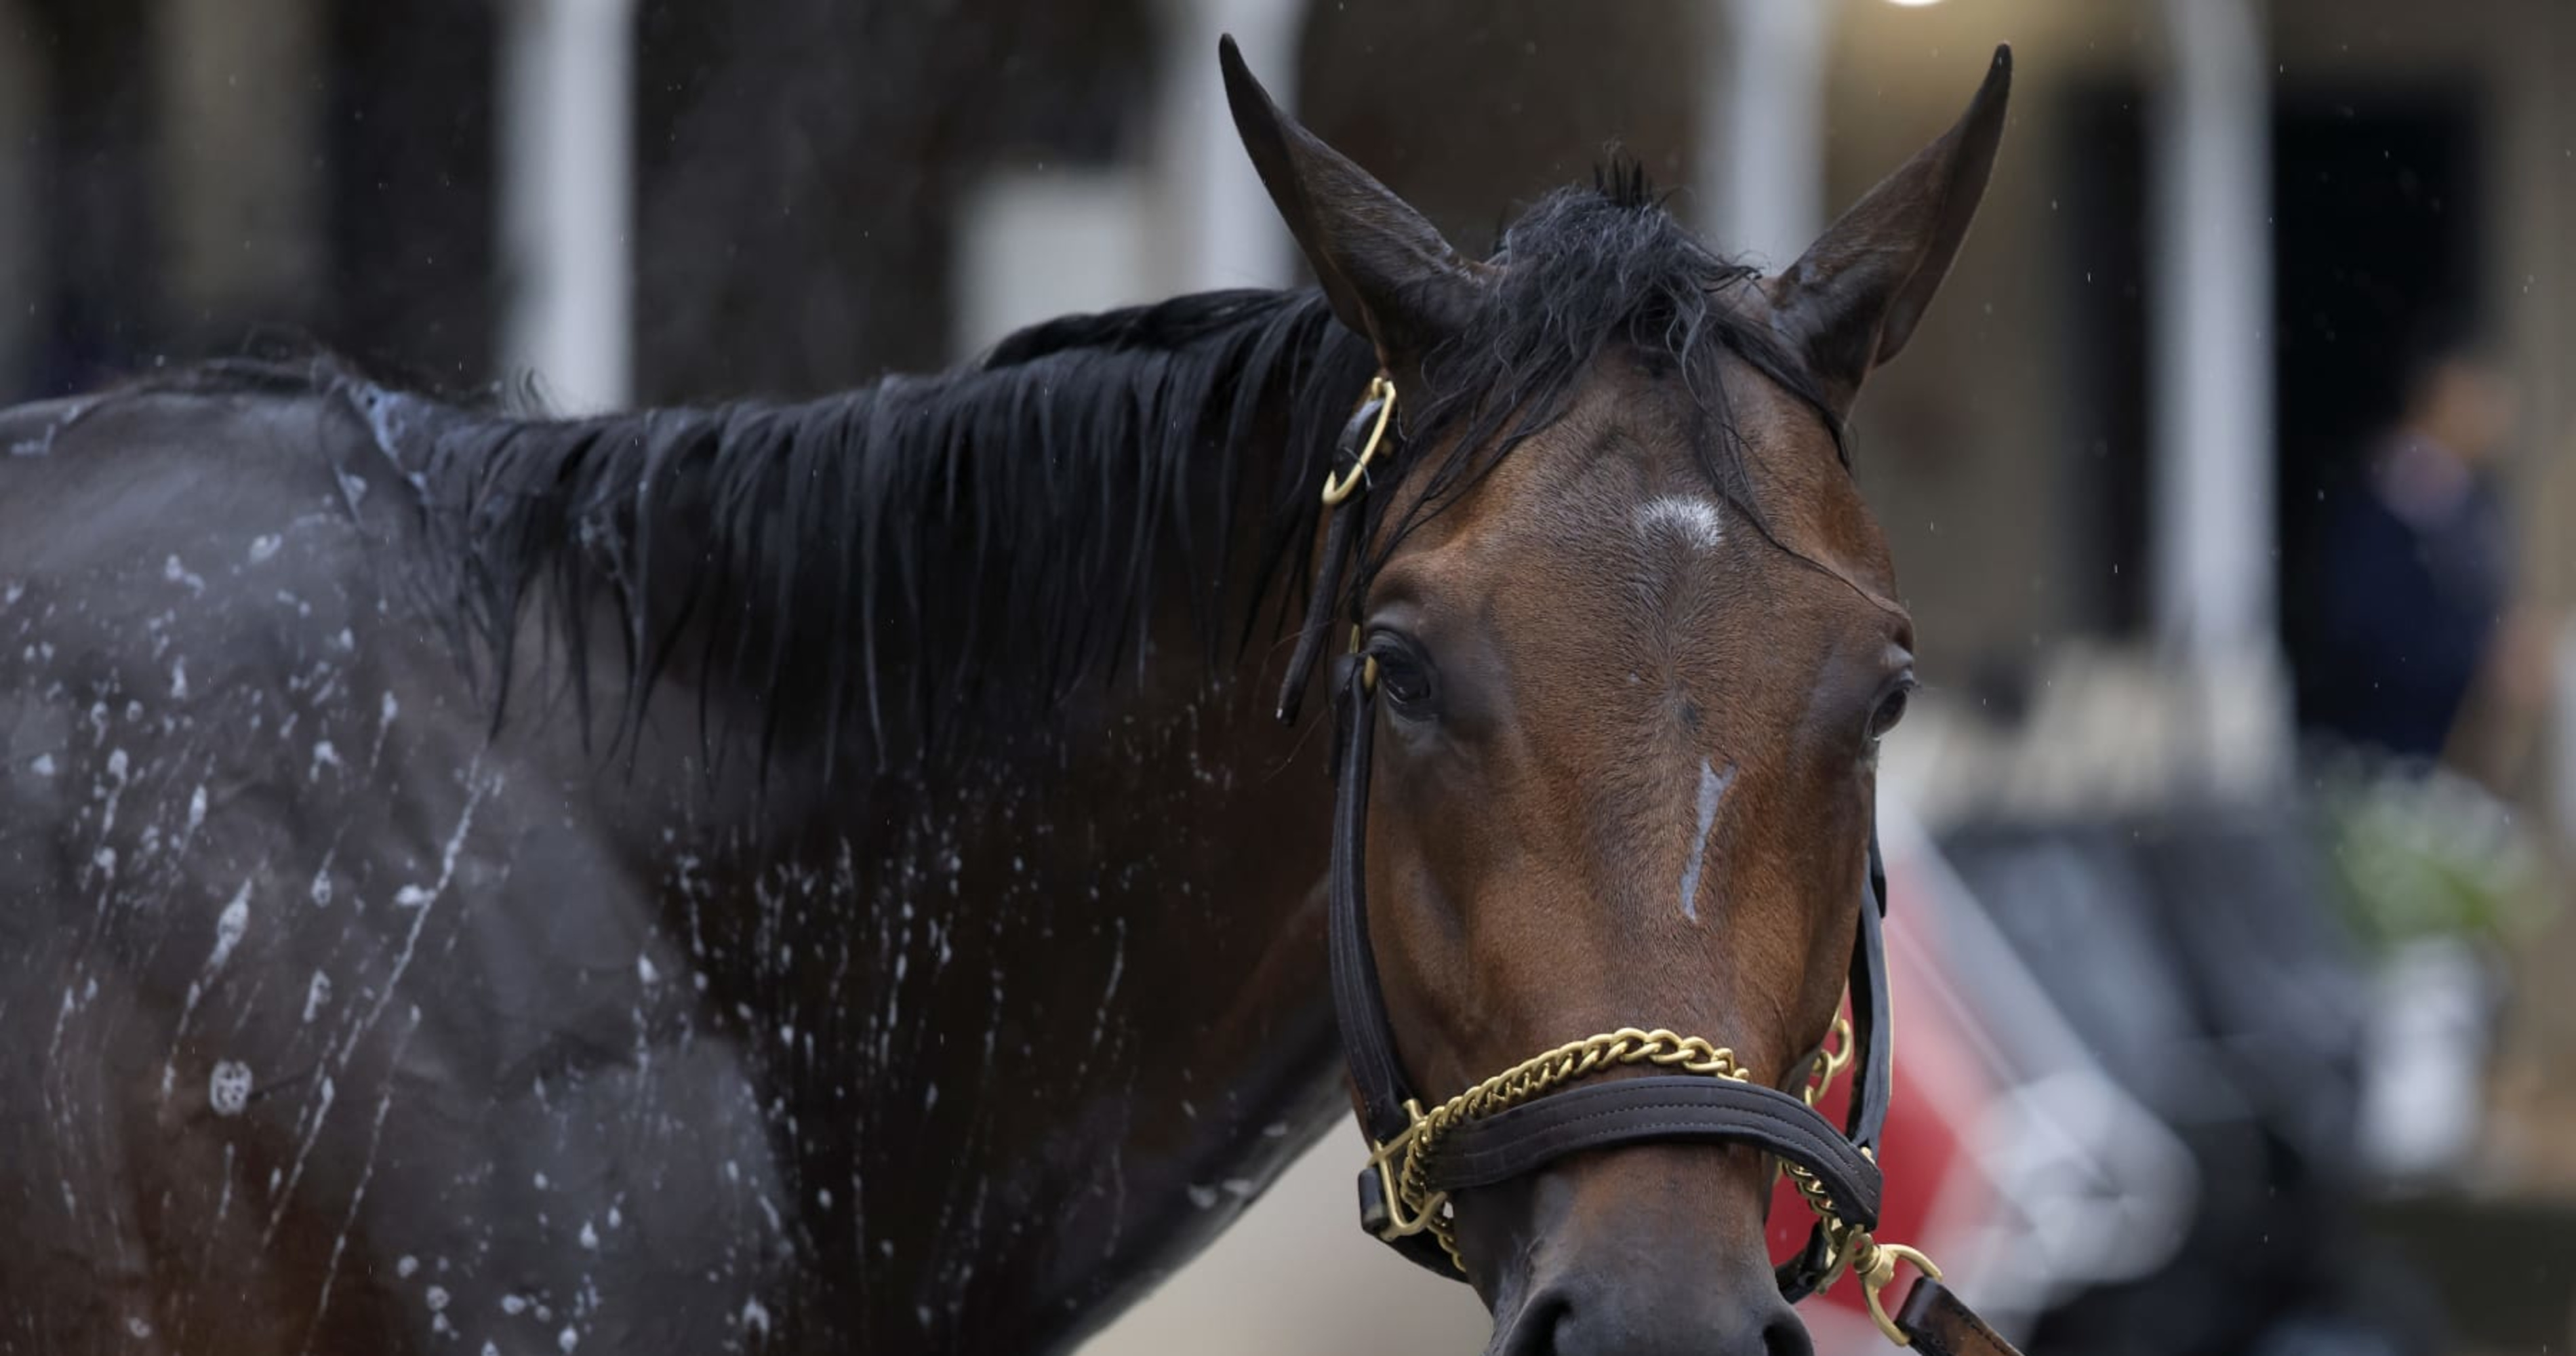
[{"x": 1875, "y": 1263}]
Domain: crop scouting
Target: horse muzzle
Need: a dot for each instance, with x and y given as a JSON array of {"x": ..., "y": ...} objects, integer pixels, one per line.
[{"x": 1657, "y": 1250}]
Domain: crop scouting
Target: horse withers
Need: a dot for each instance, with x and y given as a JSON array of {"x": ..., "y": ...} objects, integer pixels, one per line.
[{"x": 825, "y": 876}]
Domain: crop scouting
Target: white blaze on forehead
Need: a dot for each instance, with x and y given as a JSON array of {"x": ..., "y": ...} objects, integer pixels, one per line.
[
  {"x": 1713, "y": 781},
  {"x": 1697, "y": 522}
]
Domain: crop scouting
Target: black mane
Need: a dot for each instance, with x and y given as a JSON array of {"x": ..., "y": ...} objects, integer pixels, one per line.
[{"x": 972, "y": 548}]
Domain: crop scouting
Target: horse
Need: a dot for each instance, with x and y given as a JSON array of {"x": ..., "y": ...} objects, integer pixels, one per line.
[{"x": 831, "y": 876}]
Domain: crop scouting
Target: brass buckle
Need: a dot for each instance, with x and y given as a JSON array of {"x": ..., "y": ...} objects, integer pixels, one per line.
[
  {"x": 1339, "y": 488},
  {"x": 1384, "y": 1158}
]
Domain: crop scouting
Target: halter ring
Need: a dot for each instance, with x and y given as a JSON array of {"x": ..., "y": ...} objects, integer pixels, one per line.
[{"x": 1339, "y": 488}]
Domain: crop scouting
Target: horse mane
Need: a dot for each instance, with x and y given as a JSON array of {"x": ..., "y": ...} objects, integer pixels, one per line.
[{"x": 929, "y": 555}]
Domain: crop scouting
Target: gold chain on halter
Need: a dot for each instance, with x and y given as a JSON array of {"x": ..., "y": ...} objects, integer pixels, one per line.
[
  {"x": 1415, "y": 1208},
  {"x": 1402, "y": 1163},
  {"x": 1845, "y": 1245},
  {"x": 1831, "y": 1058}
]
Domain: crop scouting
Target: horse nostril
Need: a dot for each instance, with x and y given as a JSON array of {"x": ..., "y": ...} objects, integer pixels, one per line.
[
  {"x": 1602, "y": 1325},
  {"x": 1537, "y": 1330},
  {"x": 1784, "y": 1335}
]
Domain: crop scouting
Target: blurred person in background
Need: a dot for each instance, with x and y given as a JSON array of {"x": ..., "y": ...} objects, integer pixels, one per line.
[
  {"x": 2414, "y": 604},
  {"x": 2425, "y": 671}
]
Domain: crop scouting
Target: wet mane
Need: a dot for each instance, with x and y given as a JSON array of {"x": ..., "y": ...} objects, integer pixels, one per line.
[{"x": 931, "y": 554}]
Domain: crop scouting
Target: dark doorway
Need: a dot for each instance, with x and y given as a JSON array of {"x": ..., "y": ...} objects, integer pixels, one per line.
[
  {"x": 97, "y": 307},
  {"x": 2101, "y": 270},
  {"x": 2375, "y": 228},
  {"x": 412, "y": 205}
]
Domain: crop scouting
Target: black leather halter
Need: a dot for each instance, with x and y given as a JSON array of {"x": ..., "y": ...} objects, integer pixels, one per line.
[
  {"x": 1838, "y": 1165},
  {"x": 1594, "y": 1115}
]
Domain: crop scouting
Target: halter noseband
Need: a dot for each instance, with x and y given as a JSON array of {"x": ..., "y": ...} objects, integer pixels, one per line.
[{"x": 1543, "y": 1108}]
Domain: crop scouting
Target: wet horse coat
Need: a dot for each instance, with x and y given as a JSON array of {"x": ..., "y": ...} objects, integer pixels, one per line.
[{"x": 342, "y": 1021}]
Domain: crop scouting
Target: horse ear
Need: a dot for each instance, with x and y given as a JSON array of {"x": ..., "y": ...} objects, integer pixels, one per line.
[
  {"x": 1386, "y": 271},
  {"x": 1851, "y": 301}
]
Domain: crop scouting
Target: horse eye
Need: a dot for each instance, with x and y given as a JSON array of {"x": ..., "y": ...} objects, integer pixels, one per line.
[
  {"x": 1403, "y": 675},
  {"x": 1891, "y": 709}
]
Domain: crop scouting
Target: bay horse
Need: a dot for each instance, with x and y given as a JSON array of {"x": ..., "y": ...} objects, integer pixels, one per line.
[{"x": 826, "y": 876}]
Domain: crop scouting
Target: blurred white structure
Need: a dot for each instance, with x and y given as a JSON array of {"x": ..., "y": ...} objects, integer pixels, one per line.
[
  {"x": 1217, "y": 227},
  {"x": 567, "y": 197},
  {"x": 1037, "y": 243},
  {"x": 2212, "y": 525},
  {"x": 1044, "y": 240},
  {"x": 1762, "y": 127}
]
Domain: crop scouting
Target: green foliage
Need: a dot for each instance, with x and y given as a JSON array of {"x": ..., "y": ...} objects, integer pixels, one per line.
[{"x": 2425, "y": 853}]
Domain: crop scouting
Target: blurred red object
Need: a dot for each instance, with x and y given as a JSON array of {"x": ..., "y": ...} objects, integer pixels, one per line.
[{"x": 1935, "y": 1186}]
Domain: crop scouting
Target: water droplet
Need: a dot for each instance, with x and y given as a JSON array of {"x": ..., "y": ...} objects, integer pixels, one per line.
[{"x": 228, "y": 1087}]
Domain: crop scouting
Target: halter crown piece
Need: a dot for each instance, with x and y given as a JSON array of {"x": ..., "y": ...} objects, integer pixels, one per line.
[{"x": 1551, "y": 1105}]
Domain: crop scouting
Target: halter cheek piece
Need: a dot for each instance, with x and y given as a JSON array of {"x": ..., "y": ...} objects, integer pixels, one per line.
[{"x": 1543, "y": 1108}]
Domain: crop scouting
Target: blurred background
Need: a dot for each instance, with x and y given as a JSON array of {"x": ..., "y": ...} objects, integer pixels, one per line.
[{"x": 2229, "y": 480}]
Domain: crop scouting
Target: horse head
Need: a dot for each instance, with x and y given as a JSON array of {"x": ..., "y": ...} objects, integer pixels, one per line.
[{"x": 1632, "y": 640}]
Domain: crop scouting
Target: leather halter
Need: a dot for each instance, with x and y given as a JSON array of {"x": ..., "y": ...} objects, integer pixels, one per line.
[{"x": 1543, "y": 1110}]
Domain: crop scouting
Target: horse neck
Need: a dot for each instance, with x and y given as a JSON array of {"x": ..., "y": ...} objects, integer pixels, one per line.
[
  {"x": 877, "y": 573},
  {"x": 1074, "y": 973}
]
